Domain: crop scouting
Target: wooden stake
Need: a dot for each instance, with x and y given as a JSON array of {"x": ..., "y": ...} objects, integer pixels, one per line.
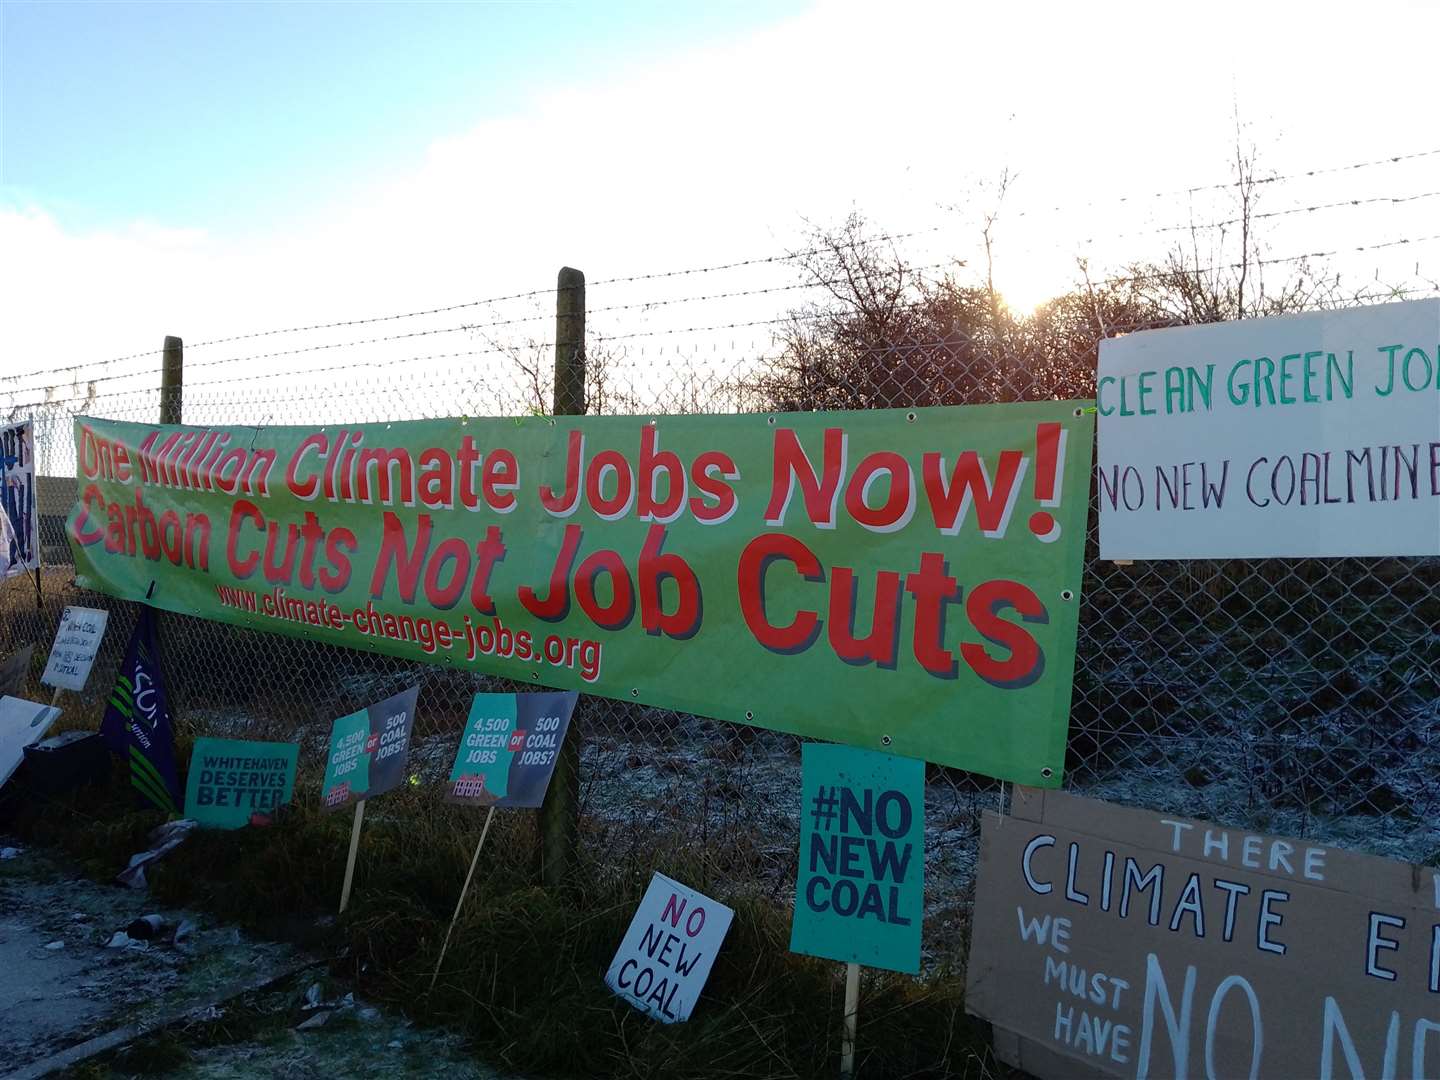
[
  {"x": 852, "y": 1007},
  {"x": 559, "y": 815},
  {"x": 463, "y": 890},
  {"x": 350, "y": 863}
]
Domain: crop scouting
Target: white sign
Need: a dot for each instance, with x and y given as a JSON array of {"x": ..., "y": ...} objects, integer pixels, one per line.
[
  {"x": 1300, "y": 435},
  {"x": 21, "y": 723},
  {"x": 667, "y": 953},
  {"x": 76, "y": 643},
  {"x": 19, "y": 515}
]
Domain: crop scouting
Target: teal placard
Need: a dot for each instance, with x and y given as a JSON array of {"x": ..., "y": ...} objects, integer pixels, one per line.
[
  {"x": 860, "y": 894},
  {"x": 482, "y": 764},
  {"x": 347, "y": 769},
  {"x": 233, "y": 780}
]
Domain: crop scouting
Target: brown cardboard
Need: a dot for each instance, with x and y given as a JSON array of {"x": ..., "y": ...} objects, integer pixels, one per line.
[{"x": 1309, "y": 949}]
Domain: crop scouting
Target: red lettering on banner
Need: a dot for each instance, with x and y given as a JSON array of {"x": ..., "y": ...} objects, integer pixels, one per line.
[
  {"x": 792, "y": 467},
  {"x": 84, "y": 536},
  {"x": 1026, "y": 662},
  {"x": 880, "y": 645},
  {"x": 968, "y": 484},
  {"x": 501, "y": 481},
  {"x": 407, "y": 564},
  {"x": 566, "y": 501},
  {"x": 243, "y": 510},
  {"x": 308, "y": 488},
  {"x": 716, "y": 501},
  {"x": 655, "y": 568},
  {"x": 488, "y": 552},
  {"x": 800, "y": 633},
  {"x": 933, "y": 588},
  {"x": 899, "y": 505},
  {"x": 340, "y": 544},
  {"x": 611, "y": 507},
  {"x": 654, "y": 462},
  {"x": 557, "y": 605}
]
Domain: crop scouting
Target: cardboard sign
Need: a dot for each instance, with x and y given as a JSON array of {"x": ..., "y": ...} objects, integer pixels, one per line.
[
  {"x": 13, "y": 670},
  {"x": 232, "y": 782},
  {"x": 19, "y": 518},
  {"x": 1118, "y": 942},
  {"x": 905, "y": 579},
  {"x": 668, "y": 951},
  {"x": 509, "y": 748},
  {"x": 368, "y": 751},
  {"x": 21, "y": 723},
  {"x": 1300, "y": 435},
  {"x": 76, "y": 642},
  {"x": 860, "y": 893}
]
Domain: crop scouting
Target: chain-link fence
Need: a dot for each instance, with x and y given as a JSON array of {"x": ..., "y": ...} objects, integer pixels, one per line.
[{"x": 1291, "y": 696}]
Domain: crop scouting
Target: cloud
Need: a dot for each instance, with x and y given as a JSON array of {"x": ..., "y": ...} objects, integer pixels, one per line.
[{"x": 719, "y": 153}]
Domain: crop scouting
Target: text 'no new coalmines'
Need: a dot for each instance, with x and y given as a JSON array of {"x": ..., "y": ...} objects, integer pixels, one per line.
[
  {"x": 1298, "y": 380},
  {"x": 812, "y": 483}
]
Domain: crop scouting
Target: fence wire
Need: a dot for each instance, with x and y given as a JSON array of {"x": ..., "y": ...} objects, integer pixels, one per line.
[{"x": 1294, "y": 696}]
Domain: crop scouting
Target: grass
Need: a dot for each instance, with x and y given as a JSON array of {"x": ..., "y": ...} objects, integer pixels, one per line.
[{"x": 523, "y": 977}]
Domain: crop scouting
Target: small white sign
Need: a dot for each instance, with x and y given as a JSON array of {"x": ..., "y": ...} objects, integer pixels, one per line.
[
  {"x": 76, "y": 643},
  {"x": 668, "y": 951},
  {"x": 1299, "y": 435},
  {"x": 21, "y": 723}
]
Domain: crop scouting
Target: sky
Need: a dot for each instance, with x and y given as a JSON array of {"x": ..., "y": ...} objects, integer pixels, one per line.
[{"x": 210, "y": 170}]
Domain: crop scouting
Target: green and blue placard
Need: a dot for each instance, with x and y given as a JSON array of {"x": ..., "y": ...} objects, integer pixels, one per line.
[
  {"x": 509, "y": 749},
  {"x": 368, "y": 751},
  {"x": 859, "y": 897},
  {"x": 235, "y": 782}
]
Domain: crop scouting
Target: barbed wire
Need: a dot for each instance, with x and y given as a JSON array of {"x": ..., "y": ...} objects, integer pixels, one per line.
[
  {"x": 667, "y": 332},
  {"x": 1290, "y": 211},
  {"x": 305, "y": 392},
  {"x": 1286, "y": 178},
  {"x": 771, "y": 259},
  {"x": 1161, "y": 275},
  {"x": 324, "y": 346}
]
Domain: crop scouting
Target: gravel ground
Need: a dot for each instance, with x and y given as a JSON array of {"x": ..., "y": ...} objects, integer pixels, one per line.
[{"x": 64, "y": 983}]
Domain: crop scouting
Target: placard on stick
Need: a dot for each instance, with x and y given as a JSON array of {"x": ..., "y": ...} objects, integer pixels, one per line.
[
  {"x": 860, "y": 892},
  {"x": 506, "y": 757},
  {"x": 368, "y": 751},
  {"x": 668, "y": 951},
  {"x": 76, "y": 642},
  {"x": 233, "y": 781},
  {"x": 509, "y": 748}
]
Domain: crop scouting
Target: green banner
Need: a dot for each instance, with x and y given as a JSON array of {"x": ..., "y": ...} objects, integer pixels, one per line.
[{"x": 898, "y": 580}]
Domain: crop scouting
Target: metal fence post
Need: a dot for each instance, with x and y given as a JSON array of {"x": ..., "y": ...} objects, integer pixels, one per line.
[
  {"x": 171, "y": 381},
  {"x": 559, "y": 816}
]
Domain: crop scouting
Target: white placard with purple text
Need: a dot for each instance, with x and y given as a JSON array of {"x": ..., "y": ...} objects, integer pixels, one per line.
[{"x": 669, "y": 949}]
